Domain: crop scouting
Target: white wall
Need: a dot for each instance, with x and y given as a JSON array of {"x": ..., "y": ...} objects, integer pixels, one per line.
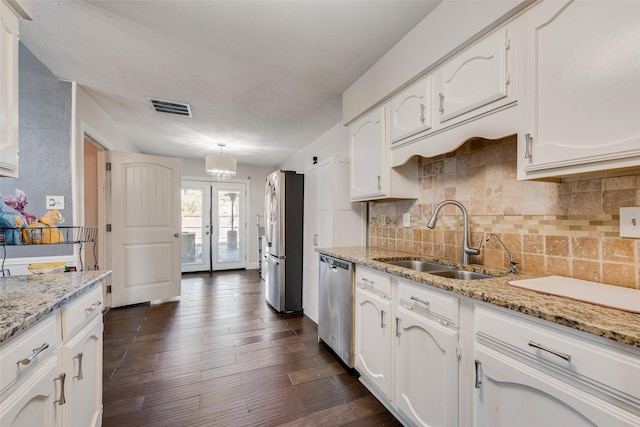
[
  {"x": 450, "y": 25},
  {"x": 334, "y": 142}
]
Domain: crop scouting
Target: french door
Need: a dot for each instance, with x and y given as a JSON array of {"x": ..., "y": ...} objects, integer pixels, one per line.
[{"x": 213, "y": 226}]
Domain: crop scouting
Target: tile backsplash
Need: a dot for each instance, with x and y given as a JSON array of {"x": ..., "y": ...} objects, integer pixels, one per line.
[{"x": 568, "y": 227}]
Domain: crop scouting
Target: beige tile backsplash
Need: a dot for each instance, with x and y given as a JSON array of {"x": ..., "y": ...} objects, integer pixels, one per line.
[{"x": 568, "y": 228}]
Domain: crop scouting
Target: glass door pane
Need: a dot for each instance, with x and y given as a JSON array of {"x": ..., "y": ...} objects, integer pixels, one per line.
[
  {"x": 196, "y": 220},
  {"x": 229, "y": 230}
]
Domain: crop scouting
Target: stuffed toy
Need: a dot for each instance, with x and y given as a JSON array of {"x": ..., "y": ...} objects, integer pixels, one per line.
[
  {"x": 19, "y": 201},
  {"x": 10, "y": 222},
  {"x": 43, "y": 231}
]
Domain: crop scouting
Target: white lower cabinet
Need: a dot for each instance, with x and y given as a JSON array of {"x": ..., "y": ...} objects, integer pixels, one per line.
[
  {"x": 426, "y": 370},
  {"x": 82, "y": 360},
  {"x": 373, "y": 337},
  {"x": 35, "y": 401},
  {"x": 529, "y": 374},
  {"x": 434, "y": 358},
  {"x": 52, "y": 373}
]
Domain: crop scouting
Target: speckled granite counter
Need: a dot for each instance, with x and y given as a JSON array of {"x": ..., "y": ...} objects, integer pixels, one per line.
[
  {"x": 610, "y": 323},
  {"x": 24, "y": 300}
]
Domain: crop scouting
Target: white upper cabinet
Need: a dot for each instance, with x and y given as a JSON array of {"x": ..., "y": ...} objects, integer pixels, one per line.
[
  {"x": 581, "y": 88},
  {"x": 472, "y": 94},
  {"x": 8, "y": 91},
  {"x": 372, "y": 177},
  {"x": 410, "y": 111},
  {"x": 476, "y": 77},
  {"x": 368, "y": 153}
]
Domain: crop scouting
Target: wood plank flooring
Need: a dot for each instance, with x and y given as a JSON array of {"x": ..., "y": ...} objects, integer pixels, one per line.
[{"x": 222, "y": 357}]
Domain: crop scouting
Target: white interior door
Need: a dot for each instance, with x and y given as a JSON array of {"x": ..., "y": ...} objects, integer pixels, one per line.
[
  {"x": 145, "y": 218},
  {"x": 196, "y": 226},
  {"x": 229, "y": 225}
]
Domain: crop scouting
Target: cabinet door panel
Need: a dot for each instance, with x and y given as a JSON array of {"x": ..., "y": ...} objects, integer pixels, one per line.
[
  {"x": 427, "y": 371},
  {"x": 511, "y": 393},
  {"x": 8, "y": 92},
  {"x": 83, "y": 361},
  {"x": 373, "y": 340},
  {"x": 410, "y": 111},
  {"x": 582, "y": 87},
  {"x": 32, "y": 404},
  {"x": 368, "y": 155},
  {"x": 474, "y": 78}
]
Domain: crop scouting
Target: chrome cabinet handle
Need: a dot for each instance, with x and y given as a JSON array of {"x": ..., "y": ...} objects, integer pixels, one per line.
[
  {"x": 62, "y": 400},
  {"x": 478, "y": 381},
  {"x": 398, "y": 333},
  {"x": 365, "y": 280},
  {"x": 527, "y": 145},
  {"x": 422, "y": 107},
  {"x": 564, "y": 356},
  {"x": 379, "y": 183},
  {"x": 93, "y": 306},
  {"x": 382, "y": 324},
  {"x": 441, "y": 102},
  {"x": 420, "y": 300},
  {"x": 176, "y": 235},
  {"x": 79, "y": 357},
  {"x": 36, "y": 352}
]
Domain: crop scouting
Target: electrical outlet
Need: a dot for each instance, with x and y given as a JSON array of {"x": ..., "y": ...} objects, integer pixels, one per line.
[
  {"x": 630, "y": 222},
  {"x": 383, "y": 220},
  {"x": 406, "y": 219},
  {"x": 54, "y": 202}
]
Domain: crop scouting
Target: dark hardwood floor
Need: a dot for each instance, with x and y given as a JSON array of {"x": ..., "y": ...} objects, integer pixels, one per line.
[{"x": 222, "y": 357}]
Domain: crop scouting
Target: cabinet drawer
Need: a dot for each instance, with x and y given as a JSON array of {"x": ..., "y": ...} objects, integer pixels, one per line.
[
  {"x": 425, "y": 301},
  {"x": 374, "y": 281},
  {"x": 586, "y": 361},
  {"x": 21, "y": 354},
  {"x": 78, "y": 312}
]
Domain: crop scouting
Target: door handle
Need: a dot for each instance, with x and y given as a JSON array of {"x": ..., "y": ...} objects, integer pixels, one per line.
[{"x": 176, "y": 235}]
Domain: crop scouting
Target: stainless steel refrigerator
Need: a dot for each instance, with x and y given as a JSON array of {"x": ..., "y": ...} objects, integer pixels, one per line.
[{"x": 284, "y": 209}]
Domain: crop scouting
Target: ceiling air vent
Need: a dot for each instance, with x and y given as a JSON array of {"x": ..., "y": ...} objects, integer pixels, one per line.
[{"x": 171, "y": 107}]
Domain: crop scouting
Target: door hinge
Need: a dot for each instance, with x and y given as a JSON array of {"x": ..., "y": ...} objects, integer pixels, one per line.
[
  {"x": 108, "y": 227},
  {"x": 108, "y": 165},
  {"x": 108, "y": 289}
]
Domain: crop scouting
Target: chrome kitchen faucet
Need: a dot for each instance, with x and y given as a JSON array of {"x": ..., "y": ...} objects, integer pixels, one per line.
[{"x": 466, "y": 250}]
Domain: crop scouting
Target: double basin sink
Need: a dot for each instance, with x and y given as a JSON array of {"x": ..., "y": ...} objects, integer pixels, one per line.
[{"x": 437, "y": 269}]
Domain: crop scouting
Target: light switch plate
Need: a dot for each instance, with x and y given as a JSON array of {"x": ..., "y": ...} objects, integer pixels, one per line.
[
  {"x": 55, "y": 202},
  {"x": 630, "y": 222},
  {"x": 406, "y": 219}
]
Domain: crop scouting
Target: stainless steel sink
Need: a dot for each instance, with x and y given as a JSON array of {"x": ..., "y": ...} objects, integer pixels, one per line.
[
  {"x": 418, "y": 265},
  {"x": 461, "y": 275}
]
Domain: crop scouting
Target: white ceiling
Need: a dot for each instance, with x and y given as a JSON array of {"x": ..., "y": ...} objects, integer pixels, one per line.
[{"x": 263, "y": 77}]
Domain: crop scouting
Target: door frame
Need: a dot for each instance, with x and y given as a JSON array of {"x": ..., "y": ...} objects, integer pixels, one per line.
[
  {"x": 80, "y": 131},
  {"x": 247, "y": 208}
]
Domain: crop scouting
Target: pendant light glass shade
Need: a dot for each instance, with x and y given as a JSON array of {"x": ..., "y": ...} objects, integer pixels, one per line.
[{"x": 220, "y": 167}]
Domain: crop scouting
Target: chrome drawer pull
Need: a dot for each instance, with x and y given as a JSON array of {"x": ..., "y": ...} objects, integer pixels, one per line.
[
  {"x": 564, "y": 356},
  {"x": 79, "y": 357},
  {"x": 422, "y": 119},
  {"x": 416, "y": 299},
  {"x": 94, "y": 306},
  {"x": 398, "y": 327},
  {"x": 382, "y": 324},
  {"x": 36, "y": 352},
  {"x": 62, "y": 400}
]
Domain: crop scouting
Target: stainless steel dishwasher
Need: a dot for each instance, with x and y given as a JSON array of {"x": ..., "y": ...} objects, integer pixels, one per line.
[{"x": 335, "y": 316}]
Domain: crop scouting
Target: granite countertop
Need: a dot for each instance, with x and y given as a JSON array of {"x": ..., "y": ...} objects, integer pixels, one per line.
[
  {"x": 25, "y": 300},
  {"x": 606, "y": 322}
]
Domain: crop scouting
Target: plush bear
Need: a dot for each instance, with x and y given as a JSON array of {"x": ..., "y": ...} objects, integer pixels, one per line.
[
  {"x": 43, "y": 231},
  {"x": 10, "y": 223}
]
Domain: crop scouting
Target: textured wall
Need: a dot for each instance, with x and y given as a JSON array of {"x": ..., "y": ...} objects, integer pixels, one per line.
[
  {"x": 45, "y": 147},
  {"x": 568, "y": 228}
]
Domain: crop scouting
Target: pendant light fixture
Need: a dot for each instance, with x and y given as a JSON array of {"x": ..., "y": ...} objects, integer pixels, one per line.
[{"x": 220, "y": 167}]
